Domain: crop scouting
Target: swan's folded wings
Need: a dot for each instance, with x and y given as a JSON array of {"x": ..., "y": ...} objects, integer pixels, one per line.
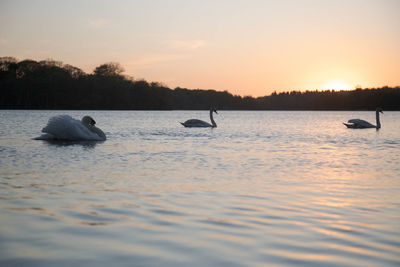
[
  {"x": 354, "y": 121},
  {"x": 360, "y": 123},
  {"x": 64, "y": 127}
]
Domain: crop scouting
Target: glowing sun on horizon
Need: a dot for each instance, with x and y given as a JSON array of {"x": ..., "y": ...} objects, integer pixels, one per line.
[{"x": 336, "y": 85}]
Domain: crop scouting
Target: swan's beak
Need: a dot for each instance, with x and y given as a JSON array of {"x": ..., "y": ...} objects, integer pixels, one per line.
[{"x": 215, "y": 112}]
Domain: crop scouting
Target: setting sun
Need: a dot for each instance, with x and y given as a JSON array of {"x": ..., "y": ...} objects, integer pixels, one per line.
[{"x": 337, "y": 85}]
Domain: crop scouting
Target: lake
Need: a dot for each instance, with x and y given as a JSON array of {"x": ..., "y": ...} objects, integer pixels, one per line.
[{"x": 272, "y": 188}]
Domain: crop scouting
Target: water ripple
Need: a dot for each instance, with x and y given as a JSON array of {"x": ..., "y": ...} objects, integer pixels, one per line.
[{"x": 248, "y": 193}]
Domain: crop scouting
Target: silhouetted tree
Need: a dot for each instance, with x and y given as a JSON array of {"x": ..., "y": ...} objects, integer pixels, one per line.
[
  {"x": 109, "y": 69},
  {"x": 50, "y": 84}
]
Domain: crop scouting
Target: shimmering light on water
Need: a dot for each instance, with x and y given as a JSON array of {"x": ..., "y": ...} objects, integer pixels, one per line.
[{"x": 276, "y": 188}]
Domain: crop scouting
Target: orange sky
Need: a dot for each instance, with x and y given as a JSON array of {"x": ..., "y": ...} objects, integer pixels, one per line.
[{"x": 248, "y": 47}]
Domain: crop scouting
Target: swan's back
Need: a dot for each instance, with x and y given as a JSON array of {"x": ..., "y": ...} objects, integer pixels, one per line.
[
  {"x": 195, "y": 123},
  {"x": 358, "y": 123},
  {"x": 64, "y": 127}
]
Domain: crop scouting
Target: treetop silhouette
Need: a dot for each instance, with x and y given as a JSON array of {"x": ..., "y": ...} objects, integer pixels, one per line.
[{"x": 50, "y": 84}]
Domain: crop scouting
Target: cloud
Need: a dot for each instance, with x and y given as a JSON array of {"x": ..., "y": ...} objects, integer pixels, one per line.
[
  {"x": 150, "y": 60},
  {"x": 97, "y": 23},
  {"x": 186, "y": 44}
]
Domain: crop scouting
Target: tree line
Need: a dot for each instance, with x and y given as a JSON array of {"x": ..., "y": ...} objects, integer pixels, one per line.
[{"x": 50, "y": 84}]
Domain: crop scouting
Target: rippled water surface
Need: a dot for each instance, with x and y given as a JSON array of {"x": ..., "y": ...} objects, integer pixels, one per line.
[{"x": 263, "y": 188}]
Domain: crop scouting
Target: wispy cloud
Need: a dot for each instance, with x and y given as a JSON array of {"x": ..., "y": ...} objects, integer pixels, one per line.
[
  {"x": 97, "y": 23},
  {"x": 149, "y": 60},
  {"x": 186, "y": 44}
]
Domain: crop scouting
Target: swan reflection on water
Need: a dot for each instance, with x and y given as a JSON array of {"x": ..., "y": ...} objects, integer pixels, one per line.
[
  {"x": 200, "y": 123},
  {"x": 65, "y": 143},
  {"x": 66, "y": 128},
  {"x": 362, "y": 124}
]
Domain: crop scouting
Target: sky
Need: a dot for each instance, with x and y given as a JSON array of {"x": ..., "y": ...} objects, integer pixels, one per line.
[{"x": 247, "y": 47}]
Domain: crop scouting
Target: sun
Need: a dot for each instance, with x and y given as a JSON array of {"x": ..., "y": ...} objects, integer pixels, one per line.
[{"x": 336, "y": 85}]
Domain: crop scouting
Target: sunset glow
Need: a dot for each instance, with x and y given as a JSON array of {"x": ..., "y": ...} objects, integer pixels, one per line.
[
  {"x": 337, "y": 85},
  {"x": 245, "y": 47}
]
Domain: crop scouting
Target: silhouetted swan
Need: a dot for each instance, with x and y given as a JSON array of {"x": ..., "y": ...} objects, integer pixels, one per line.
[
  {"x": 361, "y": 124},
  {"x": 200, "y": 123},
  {"x": 64, "y": 127}
]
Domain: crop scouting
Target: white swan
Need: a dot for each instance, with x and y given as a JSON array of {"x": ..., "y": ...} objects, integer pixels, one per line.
[
  {"x": 64, "y": 127},
  {"x": 361, "y": 124},
  {"x": 200, "y": 123}
]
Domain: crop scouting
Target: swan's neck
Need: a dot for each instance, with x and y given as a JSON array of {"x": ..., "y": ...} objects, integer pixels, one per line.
[
  {"x": 212, "y": 119},
  {"x": 378, "y": 122}
]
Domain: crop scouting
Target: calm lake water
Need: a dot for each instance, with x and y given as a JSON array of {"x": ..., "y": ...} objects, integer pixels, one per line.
[{"x": 264, "y": 188}]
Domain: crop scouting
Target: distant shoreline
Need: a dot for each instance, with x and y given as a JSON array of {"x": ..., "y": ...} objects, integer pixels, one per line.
[{"x": 52, "y": 85}]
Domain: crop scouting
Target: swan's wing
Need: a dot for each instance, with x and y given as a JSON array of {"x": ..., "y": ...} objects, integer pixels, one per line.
[
  {"x": 361, "y": 123},
  {"x": 64, "y": 127},
  {"x": 196, "y": 123},
  {"x": 59, "y": 127},
  {"x": 355, "y": 121}
]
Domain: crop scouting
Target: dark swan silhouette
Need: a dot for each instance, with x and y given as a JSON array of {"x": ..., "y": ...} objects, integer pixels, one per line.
[
  {"x": 64, "y": 127},
  {"x": 362, "y": 124},
  {"x": 200, "y": 123}
]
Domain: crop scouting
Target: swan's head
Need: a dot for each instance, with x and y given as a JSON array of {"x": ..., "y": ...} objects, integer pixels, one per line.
[
  {"x": 87, "y": 120},
  {"x": 379, "y": 110},
  {"x": 214, "y": 110}
]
